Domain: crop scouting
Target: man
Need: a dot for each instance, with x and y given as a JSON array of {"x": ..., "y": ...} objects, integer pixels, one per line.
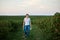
[{"x": 26, "y": 25}]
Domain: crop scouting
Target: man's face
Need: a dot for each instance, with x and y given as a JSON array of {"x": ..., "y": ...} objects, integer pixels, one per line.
[{"x": 27, "y": 16}]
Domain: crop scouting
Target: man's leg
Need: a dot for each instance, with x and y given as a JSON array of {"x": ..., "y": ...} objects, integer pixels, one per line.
[
  {"x": 25, "y": 31},
  {"x": 28, "y": 30}
]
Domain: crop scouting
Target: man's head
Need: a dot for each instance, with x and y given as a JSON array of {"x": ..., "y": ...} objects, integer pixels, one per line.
[{"x": 27, "y": 15}]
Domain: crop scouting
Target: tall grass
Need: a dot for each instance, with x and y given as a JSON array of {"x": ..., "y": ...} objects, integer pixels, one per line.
[{"x": 47, "y": 27}]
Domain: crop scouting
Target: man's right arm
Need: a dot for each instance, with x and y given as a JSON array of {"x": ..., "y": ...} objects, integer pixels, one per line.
[{"x": 23, "y": 24}]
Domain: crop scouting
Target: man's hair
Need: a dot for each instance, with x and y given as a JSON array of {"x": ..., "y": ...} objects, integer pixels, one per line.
[{"x": 27, "y": 14}]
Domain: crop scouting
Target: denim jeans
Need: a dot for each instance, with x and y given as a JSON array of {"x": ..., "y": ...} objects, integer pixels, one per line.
[{"x": 27, "y": 30}]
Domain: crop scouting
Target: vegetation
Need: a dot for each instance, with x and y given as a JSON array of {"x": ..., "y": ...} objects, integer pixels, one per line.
[{"x": 43, "y": 27}]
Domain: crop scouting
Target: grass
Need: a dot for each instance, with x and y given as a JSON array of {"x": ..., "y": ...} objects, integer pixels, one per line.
[
  {"x": 35, "y": 34},
  {"x": 38, "y": 32},
  {"x": 43, "y": 28}
]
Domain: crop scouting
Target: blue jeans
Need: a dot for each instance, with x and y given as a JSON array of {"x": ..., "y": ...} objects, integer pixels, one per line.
[{"x": 27, "y": 30}]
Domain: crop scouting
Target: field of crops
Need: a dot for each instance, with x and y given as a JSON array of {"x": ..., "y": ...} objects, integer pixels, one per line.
[{"x": 43, "y": 28}]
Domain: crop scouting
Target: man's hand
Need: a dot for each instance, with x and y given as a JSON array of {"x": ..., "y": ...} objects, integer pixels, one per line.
[{"x": 23, "y": 25}]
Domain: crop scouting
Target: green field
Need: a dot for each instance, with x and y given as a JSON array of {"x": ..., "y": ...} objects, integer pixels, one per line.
[{"x": 43, "y": 28}]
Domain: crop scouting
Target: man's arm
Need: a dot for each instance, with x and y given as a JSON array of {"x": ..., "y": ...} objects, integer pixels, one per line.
[
  {"x": 30, "y": 25},
  {"x": 23, "y": 24}
]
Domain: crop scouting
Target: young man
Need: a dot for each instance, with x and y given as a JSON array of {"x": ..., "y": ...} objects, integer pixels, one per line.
[{"x": 26, "y": 25}]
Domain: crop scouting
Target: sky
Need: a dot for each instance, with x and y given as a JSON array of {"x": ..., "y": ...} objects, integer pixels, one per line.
[{"x": 31, "y": 7}]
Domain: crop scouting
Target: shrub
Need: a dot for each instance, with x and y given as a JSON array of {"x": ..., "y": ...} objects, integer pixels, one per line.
[{"x": 7, "y": 27}]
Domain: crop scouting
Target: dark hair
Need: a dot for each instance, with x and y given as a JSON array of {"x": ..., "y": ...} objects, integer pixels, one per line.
[{"x": 27, "y": 14}]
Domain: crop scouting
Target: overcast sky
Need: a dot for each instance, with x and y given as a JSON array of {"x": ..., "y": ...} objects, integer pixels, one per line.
[{"x": 32, "y": 7}]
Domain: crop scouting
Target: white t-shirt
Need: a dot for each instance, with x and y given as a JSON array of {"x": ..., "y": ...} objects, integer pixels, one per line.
[{"x": 27, "y": 21}]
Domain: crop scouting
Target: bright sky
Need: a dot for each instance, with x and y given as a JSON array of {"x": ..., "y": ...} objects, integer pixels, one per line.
[{"x": 32, "y": 7}]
